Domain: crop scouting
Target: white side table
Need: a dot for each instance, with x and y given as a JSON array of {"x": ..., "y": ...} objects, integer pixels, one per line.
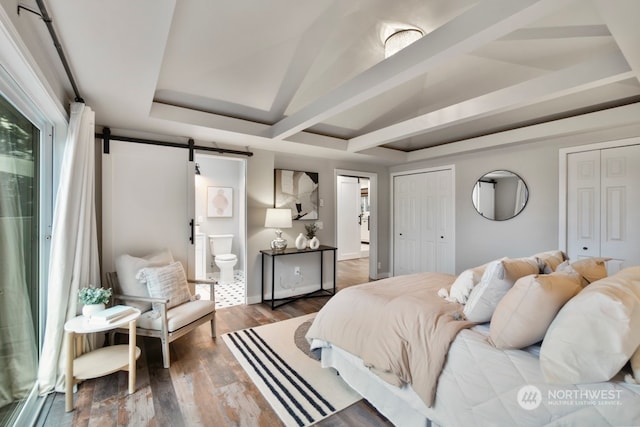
[{"x": 102, "y": 361}]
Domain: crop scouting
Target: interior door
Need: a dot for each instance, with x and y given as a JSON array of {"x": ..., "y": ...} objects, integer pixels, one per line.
[
  {"x": 620, "y": 195},
  {"x": 583, "y": 204},
  {"x": 348, "y": 217},
  {"x": 407, "y": 229},
  {"x": 148, "y": 202}
]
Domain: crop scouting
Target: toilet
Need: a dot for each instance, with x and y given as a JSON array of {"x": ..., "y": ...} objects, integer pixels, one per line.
[{"x": 221, "y": 251}]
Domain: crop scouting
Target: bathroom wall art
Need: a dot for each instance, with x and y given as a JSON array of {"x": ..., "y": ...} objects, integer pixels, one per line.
[
  {"x": 219, "y": 202},
  {"x": 297, "y": 191}
]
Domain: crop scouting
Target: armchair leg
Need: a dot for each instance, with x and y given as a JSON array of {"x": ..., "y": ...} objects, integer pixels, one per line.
[
  {"x": 165, "y": 354},
  {"x": 213, "y": 326}
]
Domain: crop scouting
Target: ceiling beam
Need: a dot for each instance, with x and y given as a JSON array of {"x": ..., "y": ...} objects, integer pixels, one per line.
[
  {"x": 595, "y": 72},
  {"x": 618, "y": 117},
  {"x": 485, "y": 22},
  {"x": 621, "y": 16}
]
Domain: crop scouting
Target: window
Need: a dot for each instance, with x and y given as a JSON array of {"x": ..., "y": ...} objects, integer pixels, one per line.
[{"x": 19, "y": 255}]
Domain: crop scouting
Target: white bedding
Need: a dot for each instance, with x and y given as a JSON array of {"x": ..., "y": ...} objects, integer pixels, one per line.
[{"x": 480, "y": 385}]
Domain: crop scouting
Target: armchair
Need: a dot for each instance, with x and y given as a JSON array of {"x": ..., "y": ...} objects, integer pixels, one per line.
[{"x": 168, "y": 320}]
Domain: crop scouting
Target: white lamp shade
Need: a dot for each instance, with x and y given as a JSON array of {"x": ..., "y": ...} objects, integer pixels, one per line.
[{"x": 278, "y": 218}]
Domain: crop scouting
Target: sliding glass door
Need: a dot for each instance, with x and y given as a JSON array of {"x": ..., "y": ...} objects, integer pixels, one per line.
[{"x": 19, "y": 260}]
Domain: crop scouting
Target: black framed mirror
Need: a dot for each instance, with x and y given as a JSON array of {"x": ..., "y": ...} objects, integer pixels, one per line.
[{"x": 500, "y": 195}]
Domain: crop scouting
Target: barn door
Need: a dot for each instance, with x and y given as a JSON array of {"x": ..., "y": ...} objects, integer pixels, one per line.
[{"x": 148, "y": 202}]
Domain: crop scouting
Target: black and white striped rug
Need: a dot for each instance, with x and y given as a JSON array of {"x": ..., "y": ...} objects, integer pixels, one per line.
[{"x": 299, "y": 390}]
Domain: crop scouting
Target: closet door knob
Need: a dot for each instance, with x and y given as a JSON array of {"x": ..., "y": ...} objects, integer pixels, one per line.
[{"x": 584, "y": 248}]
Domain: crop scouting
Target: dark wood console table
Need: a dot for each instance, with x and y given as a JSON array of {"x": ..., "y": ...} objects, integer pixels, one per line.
[{"x": 293, "y": 251}]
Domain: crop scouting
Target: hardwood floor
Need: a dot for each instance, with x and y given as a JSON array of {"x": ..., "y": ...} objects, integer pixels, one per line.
[{"x": 205, "y": 386}]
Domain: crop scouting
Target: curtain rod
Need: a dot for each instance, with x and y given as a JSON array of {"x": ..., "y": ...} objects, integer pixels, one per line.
[
  {"x": 106, "y": 137},
  {"x": 56, "y": 43}
]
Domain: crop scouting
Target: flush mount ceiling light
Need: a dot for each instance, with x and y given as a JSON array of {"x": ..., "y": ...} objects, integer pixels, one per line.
[{"x": 400, "y": 39}]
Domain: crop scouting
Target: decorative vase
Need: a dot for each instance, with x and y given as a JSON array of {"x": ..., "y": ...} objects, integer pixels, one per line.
[
  {"x": 314, "y": 243},
  {"x": 89, "y": 309},
  {"x": 301, "y": 241}
]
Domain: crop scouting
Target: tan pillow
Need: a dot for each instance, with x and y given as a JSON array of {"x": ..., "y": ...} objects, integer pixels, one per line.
[
  {"x": 591, "y": 269},
  {"x": 524, "y": 314},
  {"x": 168, "y": 282},
  {"x": 497, "y": 279},
  {"x": 595, "y": 334},
  {"x": 128, "y": 266},
  {"x": 551, "y": 260}
]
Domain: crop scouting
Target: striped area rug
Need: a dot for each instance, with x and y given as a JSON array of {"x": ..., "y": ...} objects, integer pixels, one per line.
[{"x": 299, "y": 390}]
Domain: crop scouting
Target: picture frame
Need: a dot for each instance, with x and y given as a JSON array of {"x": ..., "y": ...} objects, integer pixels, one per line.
[
  {"x": 219, "y": 202},
  {"x": 298, "y": 191}
]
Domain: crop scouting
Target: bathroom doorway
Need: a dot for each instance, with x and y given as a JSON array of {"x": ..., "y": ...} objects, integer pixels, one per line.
[{"x": 220, "y": 211}]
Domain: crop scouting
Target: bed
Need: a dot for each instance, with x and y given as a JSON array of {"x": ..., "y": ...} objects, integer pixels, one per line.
[{"x": 413, "y": 353}]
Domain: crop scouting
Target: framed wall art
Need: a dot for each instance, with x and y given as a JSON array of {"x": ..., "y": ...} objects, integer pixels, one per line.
[
  {"x": 219, "y": 202},
  {"x": 297, "y": 191}
]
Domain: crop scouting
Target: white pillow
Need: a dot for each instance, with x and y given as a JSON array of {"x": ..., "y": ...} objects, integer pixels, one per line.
[
  {"x": 462, "y": 286},
  {"x": 127, "y": 267},
  {"x": 595, "y": 333},
  {"x": 168, "y": 282},
  {"x": 497, "y": 279},
  {"x": 524, "y": 314}
]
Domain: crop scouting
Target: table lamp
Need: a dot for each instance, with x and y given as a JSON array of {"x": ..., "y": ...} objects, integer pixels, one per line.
[{"x": 278, "y": 218}]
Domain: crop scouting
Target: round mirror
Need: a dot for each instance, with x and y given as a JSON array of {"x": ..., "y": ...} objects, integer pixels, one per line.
[{"x": 500, "y": 195}]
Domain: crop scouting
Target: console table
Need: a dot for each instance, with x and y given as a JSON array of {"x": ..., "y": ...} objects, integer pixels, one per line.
[{"x": 273, "y": 254}]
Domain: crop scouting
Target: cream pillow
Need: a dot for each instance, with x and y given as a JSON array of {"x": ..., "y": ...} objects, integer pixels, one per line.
[
  {"x": 595, "y": 333},
  {"x": 168, "y": 282},
  {"x": 551, "y": 260},
  {"x": 524, "y": 314},
  {"x": 497, "y": 279},
  {"x": 591, "y": 269},
  {"x": 127, "y": 267}
]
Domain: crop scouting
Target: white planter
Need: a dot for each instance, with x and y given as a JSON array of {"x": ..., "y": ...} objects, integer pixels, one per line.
[{"x": 89, "y": 309}]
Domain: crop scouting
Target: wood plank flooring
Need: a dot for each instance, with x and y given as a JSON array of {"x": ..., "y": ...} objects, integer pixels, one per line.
[{"x": 205, "y": 385}]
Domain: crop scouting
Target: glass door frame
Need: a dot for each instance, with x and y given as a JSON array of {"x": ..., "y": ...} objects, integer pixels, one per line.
[{"x": 14, "y": 95}]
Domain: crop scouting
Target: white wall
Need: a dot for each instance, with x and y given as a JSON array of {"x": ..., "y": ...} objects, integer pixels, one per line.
[
  {"x": 260, "y": 186},
  {"x": 479, "y": 240}
]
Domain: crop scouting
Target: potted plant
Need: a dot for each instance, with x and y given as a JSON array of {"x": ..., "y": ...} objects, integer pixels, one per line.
[
  {"x": 93, "y": 299},
  {"x": 311, "y": 229}
]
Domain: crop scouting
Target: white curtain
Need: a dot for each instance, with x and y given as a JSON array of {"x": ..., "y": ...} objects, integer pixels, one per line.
[{"x": 74, "y": 245}]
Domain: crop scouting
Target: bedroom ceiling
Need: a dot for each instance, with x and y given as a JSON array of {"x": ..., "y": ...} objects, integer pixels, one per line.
[{"x": 309, "y": 77}]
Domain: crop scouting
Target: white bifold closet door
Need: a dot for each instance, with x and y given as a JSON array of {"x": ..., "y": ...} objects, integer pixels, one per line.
[
  {"x": 423, "y": 223},
  {"x": 603, "y": 205},
  {"x": 148, "y": 196}
]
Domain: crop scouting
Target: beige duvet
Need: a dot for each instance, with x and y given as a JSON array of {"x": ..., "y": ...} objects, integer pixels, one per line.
[{"x": 399, "y": 327}]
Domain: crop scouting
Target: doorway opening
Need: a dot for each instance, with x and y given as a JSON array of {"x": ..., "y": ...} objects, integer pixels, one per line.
[
  {"x": 356, "y": 226},
  {"x": 220, "y": 238}
]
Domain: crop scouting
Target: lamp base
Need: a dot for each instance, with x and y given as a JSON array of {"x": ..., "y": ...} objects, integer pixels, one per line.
[{"x": 278, "y": 244}]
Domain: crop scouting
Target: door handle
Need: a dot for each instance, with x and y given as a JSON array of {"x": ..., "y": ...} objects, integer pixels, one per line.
[
  {"x": 191, "y": 226},
  {"x": 584, "y": 248}
]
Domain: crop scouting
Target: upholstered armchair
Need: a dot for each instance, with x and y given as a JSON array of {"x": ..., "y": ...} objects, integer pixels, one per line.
[{"x": 157, "y": 286}]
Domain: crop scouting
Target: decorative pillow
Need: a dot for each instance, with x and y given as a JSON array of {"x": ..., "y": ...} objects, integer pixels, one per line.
[
  {"x": 167, "y": 282},
  {"x": 551, "y": 260},
  {"x": 524, "y": 314},
  {"x": 635, "y": 367},
  {"x": 497, "y": 279},
  {"x": 127, "y": 267},
  {"x": 462, "y": 286},
  {"x": 591, "y": 269},
  {"x": 595, "y": 333}
]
